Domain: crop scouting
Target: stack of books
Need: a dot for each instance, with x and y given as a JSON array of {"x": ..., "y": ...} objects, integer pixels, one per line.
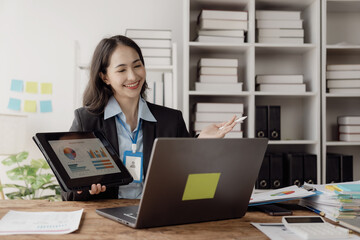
[
  {"x": 210, "y": 113},
  {"x": 343, "y": 78},
  {"x": 279, "y": 26},
  {"x": 160, "y": 88},
  {"x": 155, "y": 45},
  {"x": 280, "y": 83},
  {"x": 349, "y": 128},
  {"x": 222, "y": 26},
  {"x": 335, "y": 201},
  {"x": 218, "y": 74}
]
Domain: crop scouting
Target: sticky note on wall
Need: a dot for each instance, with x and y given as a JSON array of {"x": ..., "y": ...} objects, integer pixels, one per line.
[
  {"x": 31, "y": 87},
  {"x": 46, "y": 88},
  {"x": 30, "y": 106},
  {"x": 45, "y": 106},
  {"x": 14, "y": 104},
  {"x": 17, "y": 85}
]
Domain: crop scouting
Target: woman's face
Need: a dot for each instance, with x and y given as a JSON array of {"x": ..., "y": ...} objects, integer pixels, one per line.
[{"x": 125, "y": 74}]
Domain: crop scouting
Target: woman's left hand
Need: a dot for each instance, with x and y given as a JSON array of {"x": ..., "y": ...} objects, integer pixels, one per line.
[{"x": 214, "y": 131}]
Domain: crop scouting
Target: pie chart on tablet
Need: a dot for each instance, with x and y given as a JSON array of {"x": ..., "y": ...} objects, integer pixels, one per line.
[{"x": 70, "y": 153}]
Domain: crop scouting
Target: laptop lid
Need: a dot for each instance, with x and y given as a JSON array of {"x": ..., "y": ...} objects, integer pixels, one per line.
[{"x": 194, "y": 180}]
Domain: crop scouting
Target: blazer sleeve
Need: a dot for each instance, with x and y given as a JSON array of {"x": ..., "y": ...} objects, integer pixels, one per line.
[
  {"x": 181, "y": 127},
  {"x": 76, "y": 124}
]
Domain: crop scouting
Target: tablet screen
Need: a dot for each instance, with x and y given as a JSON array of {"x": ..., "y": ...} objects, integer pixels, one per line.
[{"x": 84, "y": 157}]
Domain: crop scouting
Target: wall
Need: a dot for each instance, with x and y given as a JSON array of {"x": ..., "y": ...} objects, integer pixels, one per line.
[{"x": 37, "y": 43}]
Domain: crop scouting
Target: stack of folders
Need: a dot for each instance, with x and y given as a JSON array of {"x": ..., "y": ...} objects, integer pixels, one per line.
[
  {"x": 222, "y": 26},
  {"x": 286, "y": 169},
  {"x": 349, "y": 128},
  {"x": 155, "y": 45},
  {"x": 279, "y": 26},
  {"x": 343, "y": 78},
  {"x": 335, "y": 201},
  {"x": 160, "y": 88},
  {"x": 210, "y": 113},
  {"x": 339, "y": 168},
  {"x": 268, "y": 122},
  {"x": 217, "y": 74},
  {"x": 280, "y": 83}
]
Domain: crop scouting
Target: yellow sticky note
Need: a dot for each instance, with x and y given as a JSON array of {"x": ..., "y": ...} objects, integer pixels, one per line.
[
  {"x": 201, "y": 186},
  {"x": 30, "y": 106},
  {"x": 46, "y": 88},
  {"x": 31, "y": 87}
]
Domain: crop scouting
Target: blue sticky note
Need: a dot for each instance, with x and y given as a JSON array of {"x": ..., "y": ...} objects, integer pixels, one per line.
[
  {"x": 14, "y": 104},
  {"x": 45, "y": 106},
  {"x": 17, "y": 85}
]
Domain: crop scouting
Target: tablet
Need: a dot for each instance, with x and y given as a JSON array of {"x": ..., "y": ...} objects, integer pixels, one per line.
[{"x": 80, "y": 159}]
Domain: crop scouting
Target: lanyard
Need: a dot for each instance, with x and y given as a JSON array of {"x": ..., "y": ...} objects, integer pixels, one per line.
[{"x": 133, "y": 140}]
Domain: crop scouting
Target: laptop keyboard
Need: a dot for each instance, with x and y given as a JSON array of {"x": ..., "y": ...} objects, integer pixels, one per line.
[{"x": 131, "y": 215}]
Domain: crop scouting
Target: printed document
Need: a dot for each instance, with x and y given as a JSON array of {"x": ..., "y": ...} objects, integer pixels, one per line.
[{"x": 17, "y": 222}]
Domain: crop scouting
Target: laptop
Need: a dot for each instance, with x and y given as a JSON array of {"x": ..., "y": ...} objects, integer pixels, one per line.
[{"x": 193, "y": 180}]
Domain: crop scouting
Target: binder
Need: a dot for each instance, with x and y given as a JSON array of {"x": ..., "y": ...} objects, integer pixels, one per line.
[
  {"x": 261, "y": 121},
  {"x": 332, "y": 168},
  {"x": 346, "y": 168},
  {"x": 310, "y": 168},
  {"x": 294, "y": 168},
  {"x": 276, "y": 171},
  {"x": 263, "y": 181},
  {"x": 274, "y": 123}
]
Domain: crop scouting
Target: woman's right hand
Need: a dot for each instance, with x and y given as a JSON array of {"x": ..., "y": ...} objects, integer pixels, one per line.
[{"x": 95, "y": 189}]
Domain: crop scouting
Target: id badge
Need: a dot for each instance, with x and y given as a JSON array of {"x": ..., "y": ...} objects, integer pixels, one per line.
[{"x": 134, "y": 164}]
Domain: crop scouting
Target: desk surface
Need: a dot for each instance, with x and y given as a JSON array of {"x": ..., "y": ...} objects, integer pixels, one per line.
[{"x": 93, "y": 226}]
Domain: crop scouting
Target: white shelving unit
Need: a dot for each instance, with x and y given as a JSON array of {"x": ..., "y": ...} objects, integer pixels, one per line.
[
  {"x": 300, "y": 113},
  {"x": 340, "y": 45},
  {"x": 82, "y": 75}
]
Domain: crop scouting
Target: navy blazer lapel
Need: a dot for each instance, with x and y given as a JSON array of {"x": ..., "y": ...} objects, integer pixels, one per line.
[
  {"x": 110, "y": 132},
  {"x": 149, "y": 135}
]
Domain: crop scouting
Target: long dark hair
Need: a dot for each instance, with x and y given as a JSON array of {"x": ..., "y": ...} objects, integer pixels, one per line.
[{"x": 97, "y": 93}]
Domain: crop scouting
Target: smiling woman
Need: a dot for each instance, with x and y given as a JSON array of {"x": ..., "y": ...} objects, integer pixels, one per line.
[{"x": 114, "y": 103}]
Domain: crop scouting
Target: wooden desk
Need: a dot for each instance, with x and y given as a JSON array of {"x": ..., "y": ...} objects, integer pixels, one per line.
[{"x": 93, "y": 226}]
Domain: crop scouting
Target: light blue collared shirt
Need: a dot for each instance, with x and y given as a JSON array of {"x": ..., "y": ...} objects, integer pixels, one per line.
[{"x": 132, "y": 190}]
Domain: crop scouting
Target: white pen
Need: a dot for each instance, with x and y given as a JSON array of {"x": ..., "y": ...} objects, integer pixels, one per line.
[{"x": 237, "y": 120}]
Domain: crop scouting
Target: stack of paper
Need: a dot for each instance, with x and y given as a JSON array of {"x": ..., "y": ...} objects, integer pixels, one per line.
[
  {"x": 279, "y": 26},
  {"x": 218, "y": 74},
  {"x": 349, "y": 128},
  {"x": 336, "y": 201},
  {"x": 155, "y": 45},
  {"x": 210, "y": 113},
  {"x": 343, "y": 78},
  {"x": 280, "y": 83},
  {"x": 222, "y": 26}
]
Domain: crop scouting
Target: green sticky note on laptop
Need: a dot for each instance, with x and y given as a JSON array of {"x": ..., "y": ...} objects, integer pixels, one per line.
[{"x": 201, "y": 186}]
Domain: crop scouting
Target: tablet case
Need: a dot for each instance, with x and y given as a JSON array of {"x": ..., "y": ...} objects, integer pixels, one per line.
[{"x": 124, "y": 181}]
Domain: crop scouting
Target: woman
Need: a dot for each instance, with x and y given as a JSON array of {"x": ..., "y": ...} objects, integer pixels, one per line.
[{"x": 114, "y": 104}]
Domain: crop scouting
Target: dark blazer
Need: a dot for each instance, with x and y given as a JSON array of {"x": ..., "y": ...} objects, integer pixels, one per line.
[{"x": 170, "y": 123}]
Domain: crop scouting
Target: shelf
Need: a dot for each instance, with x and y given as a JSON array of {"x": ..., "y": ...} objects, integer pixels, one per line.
[
  {"x": 338, "y": 143},
  {"x": 201, "y": 93},
  {"x": 293, "y": 142},
  {"x": 300, "y": 112},
  {"x": 343, "y": 47},
  {"x": 284, "y": 48},
  {"x": 222, "y": 46},
  {"x": 334, "y": 95},
  {"x": 282, "y": 94}
]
